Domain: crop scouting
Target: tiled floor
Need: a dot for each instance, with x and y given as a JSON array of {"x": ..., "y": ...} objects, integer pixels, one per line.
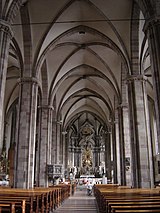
[{"x": 80, "y": 202}]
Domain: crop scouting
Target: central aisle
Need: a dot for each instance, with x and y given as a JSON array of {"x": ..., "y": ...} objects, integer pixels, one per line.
[{"x": 79, "y": 202}]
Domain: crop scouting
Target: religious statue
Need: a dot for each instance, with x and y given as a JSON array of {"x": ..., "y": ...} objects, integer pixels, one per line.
[{"x": 87, "y": 158}]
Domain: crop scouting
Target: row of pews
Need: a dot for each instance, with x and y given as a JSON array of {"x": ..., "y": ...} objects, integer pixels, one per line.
[
  {"x": 112, "y": 198},
  {"x": 37, "y": 200}
]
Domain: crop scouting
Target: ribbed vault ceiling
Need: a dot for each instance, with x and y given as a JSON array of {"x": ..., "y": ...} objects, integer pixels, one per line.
[{"x": 83, "y": 45}]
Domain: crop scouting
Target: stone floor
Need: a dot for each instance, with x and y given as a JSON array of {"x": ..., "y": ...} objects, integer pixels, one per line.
[{"x": 80, "y": 202}]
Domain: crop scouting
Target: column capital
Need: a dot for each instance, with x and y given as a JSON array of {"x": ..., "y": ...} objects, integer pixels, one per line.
[
  {"x": 122, "y": 105},
  {"x": 46, "y": 107},
  {"x": 6, "y": 27},
  {"x": 132, "y": 78},
  {"x": 74, "y": 137},
  {"x": 24, "y": 80},
  {"x": 108, "y": 132},
  {"x": 152, "y": 21}
]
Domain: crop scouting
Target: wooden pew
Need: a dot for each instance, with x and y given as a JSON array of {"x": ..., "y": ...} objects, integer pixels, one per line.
[
  {"x": 31, "y": 199},
  {"x": 128, "y": 207},
  {"x": 57, "y": 196},
  {"x": 137, "y": 210},
  {"x": 54, "y": 197},
  {"x": 63, "y": 192},
  {"x": 99, "y": 195},
  {"x": 37, "y": 200},
  {"x": 123, "y": 202},
  {"x": 7, "y": 207},
  {"x": 105, "y": 195}
]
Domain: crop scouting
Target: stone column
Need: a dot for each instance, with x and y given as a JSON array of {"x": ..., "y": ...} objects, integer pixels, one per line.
[
  {"x": 50, "y": 118},
  {"x": 96, "y": 158},
  {"x": 149, "y": 135},
  {"x": 77, "y": 153},
  {"x": 72, "y": 152},
  {"x": 79, "y": 157},
  {"x": 125, "y": 124},
  {"x": 152, "y": 31},
  {"x": 127, "y": 146},
  {"x": 59, "y": 151},
  {"x": 108, "y": 155},
  {"x": 65, "y": 154},
  {"x": 122, "y": 145},
  {"x": 114, "y": 154},
  {"x": 25, "y": 152},
  {"x": 54, "y": 141},
  {"x": 13, "y": 125},
  {"x": 96, "y": 153},
  {"x": 76, "y": 157},
  {"x": 5, "y": 38},
  {"x": 45, "y": 144},
  {"x": 118, "y": 149},
  {"x": 66, "y": 159},
  {"x": 133, "y": 130},
  {"x": 140, "y": 165}
]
